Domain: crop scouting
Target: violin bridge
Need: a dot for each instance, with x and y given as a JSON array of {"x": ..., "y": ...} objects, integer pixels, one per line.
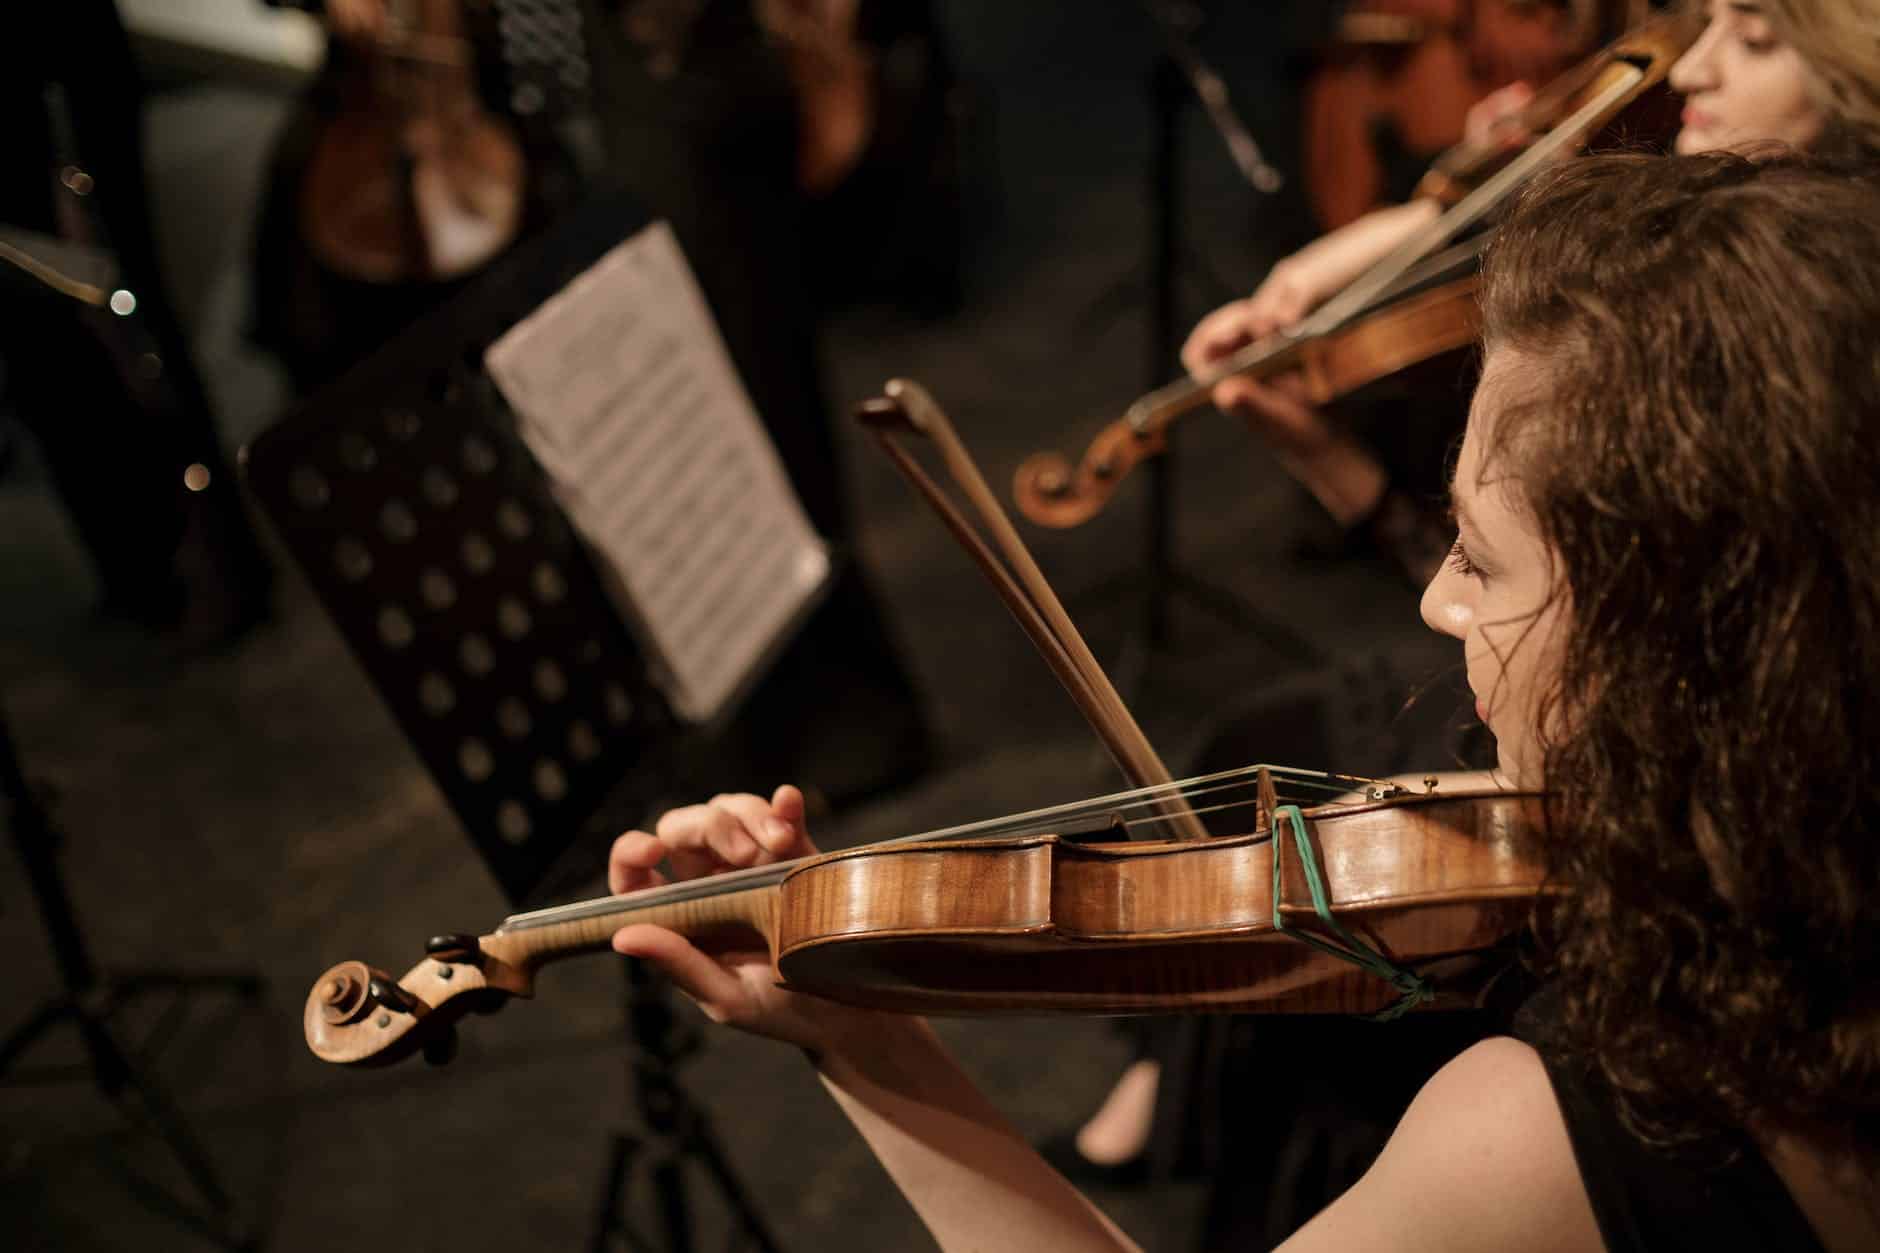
[{"x": 1103, "y": 829}]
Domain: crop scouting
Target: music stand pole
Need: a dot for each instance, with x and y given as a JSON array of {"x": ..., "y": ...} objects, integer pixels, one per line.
[
  {"x": 677, "y": 1131},
  {"x": 1168, "y": 91},
  {"x": 89, "y": 1001},
  {"x": 435, "y": 540}
]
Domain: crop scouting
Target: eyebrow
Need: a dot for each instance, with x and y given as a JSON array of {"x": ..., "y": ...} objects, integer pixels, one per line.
[{"x": 1460, "y": 512}]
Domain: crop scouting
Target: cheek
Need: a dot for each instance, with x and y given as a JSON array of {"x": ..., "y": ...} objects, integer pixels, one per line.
[{"x": 1773, "y": 102}]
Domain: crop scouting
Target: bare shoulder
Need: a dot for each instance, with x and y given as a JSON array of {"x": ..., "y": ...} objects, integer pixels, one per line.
[{"x": 1481, "y": 1160}]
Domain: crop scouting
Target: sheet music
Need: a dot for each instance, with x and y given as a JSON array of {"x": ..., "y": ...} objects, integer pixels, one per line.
[{"x": 625, "y": 393}]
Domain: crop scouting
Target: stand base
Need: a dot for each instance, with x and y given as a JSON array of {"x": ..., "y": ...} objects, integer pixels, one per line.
[
  {"x": 663, "y": 1160},
  {"x": 677, "y": 1133},
  {"x": 121, "y": 1070}
]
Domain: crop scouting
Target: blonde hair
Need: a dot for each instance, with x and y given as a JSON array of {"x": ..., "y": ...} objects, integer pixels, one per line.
[{"x": 1840, "y": 41}]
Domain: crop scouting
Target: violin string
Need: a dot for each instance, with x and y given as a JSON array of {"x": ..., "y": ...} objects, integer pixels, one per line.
[
  {"x": 1038, "y": 821},
  {"x": 1205, "y": 809},
  {"x": 1225, "y": 806}
]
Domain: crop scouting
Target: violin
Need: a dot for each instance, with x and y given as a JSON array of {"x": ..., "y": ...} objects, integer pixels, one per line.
[
  {"x": 413, "y": 180},
  {"x": 1355, "y": 906},
  {"x": 1324, "y": 893},
  {"x": 1413, "y": 305}
]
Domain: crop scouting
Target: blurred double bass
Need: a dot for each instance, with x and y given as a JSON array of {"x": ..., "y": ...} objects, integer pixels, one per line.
[
  {"x": 1394, "y": 85},
  {"x": 412, "y": 180}
]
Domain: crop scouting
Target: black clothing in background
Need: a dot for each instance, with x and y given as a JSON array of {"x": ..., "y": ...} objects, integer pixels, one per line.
[
  {"x": 711, "y": 147},
  {"x": 70, "y": 91}
]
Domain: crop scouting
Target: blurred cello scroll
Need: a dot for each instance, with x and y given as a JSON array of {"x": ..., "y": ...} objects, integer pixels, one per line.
[
  {"x": 1395, "y": 83},
  {"x": 413, "y": 179},
  {"x": 1415, "y": 304}
]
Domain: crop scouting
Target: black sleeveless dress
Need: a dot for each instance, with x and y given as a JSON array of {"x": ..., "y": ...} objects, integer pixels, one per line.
[{"x": 1647, "y": 1199}]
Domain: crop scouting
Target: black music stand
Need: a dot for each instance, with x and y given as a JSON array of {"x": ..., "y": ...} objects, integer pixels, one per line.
[
  {"x": 92, "y": 1001},
  {"x": 1170, "y": 84},
  {"x": 433, "y": 539}
]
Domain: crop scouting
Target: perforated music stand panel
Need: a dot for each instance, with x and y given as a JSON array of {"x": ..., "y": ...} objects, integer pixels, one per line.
[{"x": 430, "y": 533}]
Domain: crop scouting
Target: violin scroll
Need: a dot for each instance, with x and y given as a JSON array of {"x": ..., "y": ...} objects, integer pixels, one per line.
[
  {"x": 358, "y": 1015},
  {"x": 1050, "y": 491}
]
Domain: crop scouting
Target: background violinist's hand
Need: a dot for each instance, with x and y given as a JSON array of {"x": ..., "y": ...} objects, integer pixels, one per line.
[
  {"x": 738, "y": 988},
  {"x": 1493, "y": 121},
  {"x": 358, "y": 20},
  {"x": 1275, "y": 410},
  {"x": 1344, "y": 477}
]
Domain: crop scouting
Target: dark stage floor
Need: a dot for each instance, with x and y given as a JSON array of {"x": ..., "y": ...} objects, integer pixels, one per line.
[{"x": 259, "y": 809}]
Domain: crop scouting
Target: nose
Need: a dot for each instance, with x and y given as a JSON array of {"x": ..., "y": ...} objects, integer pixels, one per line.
[
  {"x": 1696, "y": 70},
  {"x": 1447, "y": 605}
]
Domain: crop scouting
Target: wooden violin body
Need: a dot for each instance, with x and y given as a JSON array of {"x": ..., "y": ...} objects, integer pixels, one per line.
[
  {"x": 1037, "y": 923},
  {"x": 412, "y": 180}
]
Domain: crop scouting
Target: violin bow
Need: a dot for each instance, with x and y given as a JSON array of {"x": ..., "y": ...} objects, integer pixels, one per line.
[{"x": 907, "y": 408}]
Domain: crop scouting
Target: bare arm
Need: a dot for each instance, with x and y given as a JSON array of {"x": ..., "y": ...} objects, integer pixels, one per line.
[
  {"x": 973, "y": 1180},
  {"x": 1480, "y": 1163},
  {"x": 1331, "y": 261}
]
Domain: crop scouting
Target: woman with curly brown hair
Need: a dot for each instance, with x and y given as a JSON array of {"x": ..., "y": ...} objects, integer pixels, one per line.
[{"x": 1667, "y": 591}]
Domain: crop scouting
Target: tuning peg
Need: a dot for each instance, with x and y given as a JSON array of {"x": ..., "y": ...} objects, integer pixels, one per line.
[
  {"x": 385, "y": 992},
  {"x": 455, "y": 950}
]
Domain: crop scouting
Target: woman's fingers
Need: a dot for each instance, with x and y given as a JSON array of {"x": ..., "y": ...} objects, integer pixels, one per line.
[
  {"x": 1494, "y": 120},
  {"x": 706, "y": 838},
  {"x": 1294, "y": 426},
  {"x": 632, "y": 862},
  {"x": 1216, "y": 335},
  {"x": 770, "y": 835},
  {"x": 719, "y": 992},
  {"x": 730, "y": 831},
  {"x": 790, "y": 818},
  {"x": 1281, "y": 301}
]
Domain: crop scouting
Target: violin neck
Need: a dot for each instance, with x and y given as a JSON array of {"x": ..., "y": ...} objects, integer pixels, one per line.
[
  {"x": 742, "y": 917},
  {"x": 1264, "y": 359}
]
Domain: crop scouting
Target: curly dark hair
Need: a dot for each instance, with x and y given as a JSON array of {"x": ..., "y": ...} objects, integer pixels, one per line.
[{"x": 1703, "y": 458}]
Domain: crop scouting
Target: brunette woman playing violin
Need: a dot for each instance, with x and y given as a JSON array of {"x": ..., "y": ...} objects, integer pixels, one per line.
[
  {"x": 1800, "y": 72},
  {"x": 1666, "y": 593}
]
